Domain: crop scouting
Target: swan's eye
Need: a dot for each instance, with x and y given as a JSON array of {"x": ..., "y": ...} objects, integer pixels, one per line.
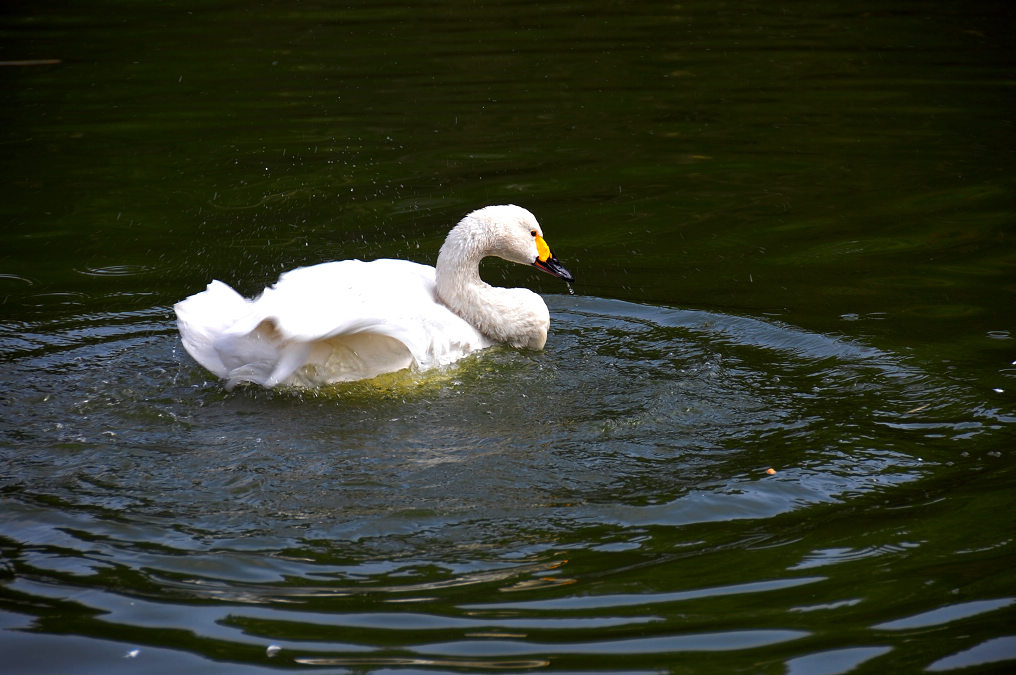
[{"x": 533, "y": 233}]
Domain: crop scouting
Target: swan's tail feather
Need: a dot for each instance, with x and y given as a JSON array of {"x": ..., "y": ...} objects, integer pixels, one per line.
[{"x": 204, "y": 317}]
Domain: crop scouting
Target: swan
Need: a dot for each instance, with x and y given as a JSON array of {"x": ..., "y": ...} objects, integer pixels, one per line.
[{"x": 351, "y": 320}]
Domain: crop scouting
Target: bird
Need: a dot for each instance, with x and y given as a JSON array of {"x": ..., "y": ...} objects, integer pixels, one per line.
[{"x": 350, "y": 320}]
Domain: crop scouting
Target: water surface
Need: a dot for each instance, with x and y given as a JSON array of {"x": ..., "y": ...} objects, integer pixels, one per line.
[{"x": 771, "y": 430}]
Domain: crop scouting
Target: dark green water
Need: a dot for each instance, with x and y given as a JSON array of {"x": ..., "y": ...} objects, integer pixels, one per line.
[{"x": 792, "y": 230}]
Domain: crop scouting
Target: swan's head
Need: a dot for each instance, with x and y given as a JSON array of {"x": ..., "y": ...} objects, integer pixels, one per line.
[{"x": 511, "y": 232}]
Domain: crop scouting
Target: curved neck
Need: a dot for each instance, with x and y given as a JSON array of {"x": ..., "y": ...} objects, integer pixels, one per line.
[{"x": 459, "y": 285}]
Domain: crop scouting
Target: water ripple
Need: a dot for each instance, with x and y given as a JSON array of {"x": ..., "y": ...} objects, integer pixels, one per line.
[{"x": 490, "y": 516}]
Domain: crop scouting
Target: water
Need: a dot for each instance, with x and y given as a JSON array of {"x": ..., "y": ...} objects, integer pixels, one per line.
[{"x": 771, "y": 431}]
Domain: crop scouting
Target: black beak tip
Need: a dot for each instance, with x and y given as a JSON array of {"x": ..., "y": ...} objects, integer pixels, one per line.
[{"x": 553, "y": 267}]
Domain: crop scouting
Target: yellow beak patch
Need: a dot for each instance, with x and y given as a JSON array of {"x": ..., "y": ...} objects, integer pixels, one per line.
[{"x": 542, "y": 250}]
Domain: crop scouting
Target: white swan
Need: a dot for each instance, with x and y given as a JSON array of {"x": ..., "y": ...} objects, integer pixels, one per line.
[{"x": 351, "y": 320}]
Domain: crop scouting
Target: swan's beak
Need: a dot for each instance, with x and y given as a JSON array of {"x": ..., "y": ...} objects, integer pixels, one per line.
[{"x": 546, "y": 261}]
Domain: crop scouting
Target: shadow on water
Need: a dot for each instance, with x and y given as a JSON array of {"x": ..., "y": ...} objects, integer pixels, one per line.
[{"x": 514, "y": 511}]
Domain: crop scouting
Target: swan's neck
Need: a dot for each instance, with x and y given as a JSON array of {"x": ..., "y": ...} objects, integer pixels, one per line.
[{"x": 513, "y": 315}]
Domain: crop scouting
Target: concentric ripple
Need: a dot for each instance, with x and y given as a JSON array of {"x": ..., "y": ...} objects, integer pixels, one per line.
[{"x": 648, "y": 489}]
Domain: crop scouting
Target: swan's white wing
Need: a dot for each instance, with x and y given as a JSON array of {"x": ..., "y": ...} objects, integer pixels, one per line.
[
  {"x": 331, "y": 322},
  {"x": 395, "y": 298}
]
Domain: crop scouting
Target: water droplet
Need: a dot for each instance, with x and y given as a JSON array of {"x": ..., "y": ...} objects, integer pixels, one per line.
[
  {"x": 272, "y": 650},
  {"x": 132, "y": 654}
]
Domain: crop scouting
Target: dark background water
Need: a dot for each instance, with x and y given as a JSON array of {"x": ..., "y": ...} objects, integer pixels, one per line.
[{"x": 792, "y": 232}]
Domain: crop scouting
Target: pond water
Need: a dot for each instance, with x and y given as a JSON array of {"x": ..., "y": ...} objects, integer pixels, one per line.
[{"x": 772, "y": 429}]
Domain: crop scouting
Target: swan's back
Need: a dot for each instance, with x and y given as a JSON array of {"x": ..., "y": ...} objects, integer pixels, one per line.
[{"x": 334, "y": 322}]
